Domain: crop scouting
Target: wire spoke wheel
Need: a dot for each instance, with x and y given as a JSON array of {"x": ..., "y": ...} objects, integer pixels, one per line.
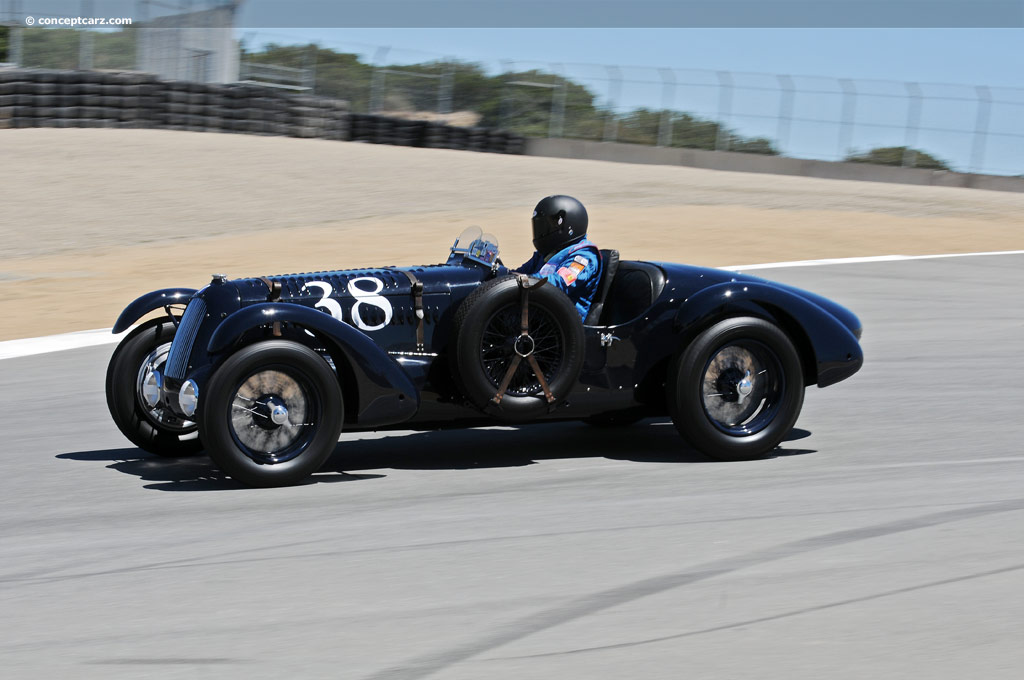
[
  {"x": 502, "y": 336},
  {"x": 737, "y": 389},
  {"x": 741, "y": 387},
  {"x": 273, "y": 414}
]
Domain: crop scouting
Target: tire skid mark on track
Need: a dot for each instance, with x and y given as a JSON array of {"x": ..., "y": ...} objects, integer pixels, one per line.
[
  {"x": 775, "y": 617},
  {"x": 217, "y": 559},
  {"x": 607, "y": 599}
]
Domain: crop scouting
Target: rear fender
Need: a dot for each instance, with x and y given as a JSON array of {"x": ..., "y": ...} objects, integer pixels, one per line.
[
  {"x": 386, "y": 394},
  {"x": 147, "y": 303},
  {"x": 834, "y": 352}
]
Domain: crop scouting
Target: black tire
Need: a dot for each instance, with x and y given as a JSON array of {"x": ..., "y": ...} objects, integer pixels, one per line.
[
  {"x": 486, "y": 327},
  {"x": 237, "y": 421},
  {"x": 713, "y": 406},
  {"x": 154, "y": 430}
]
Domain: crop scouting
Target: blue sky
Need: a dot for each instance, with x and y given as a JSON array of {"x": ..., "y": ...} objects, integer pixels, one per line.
[
  {"x": 964, "y": 57},
  {"x": 971, "y": 56},
  {"x": 948, "y": 116}
]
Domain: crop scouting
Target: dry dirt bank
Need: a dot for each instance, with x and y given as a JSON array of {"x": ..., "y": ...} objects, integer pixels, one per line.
[{"x": 93, "y": 218}]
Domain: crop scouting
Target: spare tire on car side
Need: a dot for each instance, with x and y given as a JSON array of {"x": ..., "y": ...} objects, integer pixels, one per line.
[{"x": 488, "y": 338}]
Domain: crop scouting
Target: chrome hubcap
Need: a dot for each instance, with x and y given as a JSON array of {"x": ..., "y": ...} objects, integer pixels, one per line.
[
  {"x": 148, "y": 388},
  {"x": 744, "y": 388},
  {"x": 151, "y": 385},
  {"x": 279, "y": 414}
]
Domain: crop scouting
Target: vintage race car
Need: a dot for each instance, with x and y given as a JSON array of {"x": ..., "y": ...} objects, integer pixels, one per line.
[{"x": 264, "y": 373}]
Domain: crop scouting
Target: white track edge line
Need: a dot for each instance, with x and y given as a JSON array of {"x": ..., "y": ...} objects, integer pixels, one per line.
[
  {"x": 11, "y": 349},
  {"x": 858, "y": 260}
]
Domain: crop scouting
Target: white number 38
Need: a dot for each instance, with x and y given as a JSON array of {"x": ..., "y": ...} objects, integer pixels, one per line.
[{"x": 362, "y": 296}]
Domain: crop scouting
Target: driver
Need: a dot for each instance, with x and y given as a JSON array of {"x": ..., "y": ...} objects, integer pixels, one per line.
[{"x": 564, "y": 256}]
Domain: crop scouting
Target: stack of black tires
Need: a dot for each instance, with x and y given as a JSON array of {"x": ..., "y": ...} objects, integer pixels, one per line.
[
  {"x": 405, "y": 132},
  {"x": 42, "y": 98},
  {"x": 30, "y": 98}
]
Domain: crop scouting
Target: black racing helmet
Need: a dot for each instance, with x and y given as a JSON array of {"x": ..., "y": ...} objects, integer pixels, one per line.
[{"x": 558, "y": 221}]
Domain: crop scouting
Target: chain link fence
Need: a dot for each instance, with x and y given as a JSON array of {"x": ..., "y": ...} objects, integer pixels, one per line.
[{"x": 960, "y": 127}]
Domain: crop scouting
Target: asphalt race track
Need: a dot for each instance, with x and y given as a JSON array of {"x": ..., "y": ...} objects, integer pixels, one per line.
[{"x": 884, "y": 540}]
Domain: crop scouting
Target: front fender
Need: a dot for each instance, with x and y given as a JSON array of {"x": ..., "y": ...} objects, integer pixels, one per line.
[
  {"x": 836, "y": 353},
  {"x": 147, "y": 303},
  {"x": 386, "y": 394}
]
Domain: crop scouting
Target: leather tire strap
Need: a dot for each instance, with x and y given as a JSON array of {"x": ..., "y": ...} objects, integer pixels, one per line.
[
  {"x": 275, "y": 288},
  {"x": 507, "y": 379},
  {"x": 417, "y": 299},
  {"x": 524, "y": 329}
]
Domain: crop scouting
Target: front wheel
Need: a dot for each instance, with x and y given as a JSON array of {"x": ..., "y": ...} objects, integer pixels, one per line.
[
  {"x": 272, "y": 414},
  {"x": 130, "y": 375},
  {"x": 737, "y": 390}
]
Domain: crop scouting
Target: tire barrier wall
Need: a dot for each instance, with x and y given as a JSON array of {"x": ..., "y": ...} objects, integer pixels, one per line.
[
  {"x": 37, "y": 98},
  {"x": 99, "y": 99},
  {"x": 403, "y": 132}
]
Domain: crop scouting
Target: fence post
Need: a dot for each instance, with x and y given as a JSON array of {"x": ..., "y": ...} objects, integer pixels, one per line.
[
  {"x": 556, "y": 126},
  {"x": 85, "y": 39},
  {"x": 724, "y": 109},
  {"x": 377, "y": 80},
  {"x": 310, "y": 67},
  {"x": 849, "y": 112},
  {"x": 611, "y": 125},
  {"x": 142, "y": 33},
  {"x": 16, "y": 40},
  {"x": 786, "y": 97},
  {"x": 913, "y": 123},
  {"x": 981, "y": 128},
  {"x": 506, "y": 93},
  {"x": 446, "y": 86},
  {"x": 668, "y": 103}
]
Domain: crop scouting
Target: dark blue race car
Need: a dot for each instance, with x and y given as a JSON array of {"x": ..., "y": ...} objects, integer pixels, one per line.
[{"x": 264, "y": 373}]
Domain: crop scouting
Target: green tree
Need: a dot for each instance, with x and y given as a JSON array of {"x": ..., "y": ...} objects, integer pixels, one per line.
[
  {"x": 61, "y": 48},
  {"x": 894, "y": 155},
  {"x": 337, "y": 74},
  {"x": 521, "y": 102},
  {"x": 49, "y": 47},
  {"x": 115, "y": 49}
]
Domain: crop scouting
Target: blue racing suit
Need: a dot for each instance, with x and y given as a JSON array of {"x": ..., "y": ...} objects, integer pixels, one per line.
[{"x": 574, "y": 270}]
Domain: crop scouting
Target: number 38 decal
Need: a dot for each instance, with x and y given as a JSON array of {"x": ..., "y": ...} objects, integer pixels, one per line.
[{"x": 362, "y": 296}]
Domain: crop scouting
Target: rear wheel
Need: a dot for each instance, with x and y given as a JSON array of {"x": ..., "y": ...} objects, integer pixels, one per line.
[
  {"x": 130, "y": 375},
  {"x": 272, "y": 414},
  {"x": 737, "y": 390}
]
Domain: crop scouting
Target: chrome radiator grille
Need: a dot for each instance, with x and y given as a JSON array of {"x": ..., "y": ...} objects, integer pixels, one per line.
[{"x": 177, "y": 359}]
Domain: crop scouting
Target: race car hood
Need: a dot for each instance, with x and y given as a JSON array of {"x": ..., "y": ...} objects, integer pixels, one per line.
[{"x": 348, "y": 283}]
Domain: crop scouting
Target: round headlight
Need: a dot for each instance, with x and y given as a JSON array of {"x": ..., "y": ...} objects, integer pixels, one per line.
[{"x": 188, "y": 398}]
